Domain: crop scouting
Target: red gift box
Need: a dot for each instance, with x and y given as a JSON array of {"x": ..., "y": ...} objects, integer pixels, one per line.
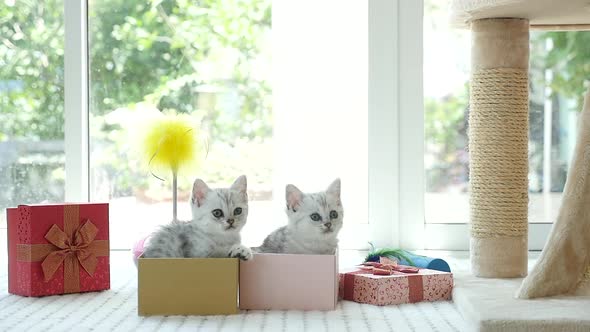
[
  {"x": 365, "y": 287},
  {"x": 58, "y": 249}
]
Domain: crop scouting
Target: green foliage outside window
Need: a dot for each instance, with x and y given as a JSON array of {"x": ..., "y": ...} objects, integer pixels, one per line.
[
  {"x": 446, "y": 119},
  {"x": 208, "y": 58},
  {"x": 203, "y": 57}
]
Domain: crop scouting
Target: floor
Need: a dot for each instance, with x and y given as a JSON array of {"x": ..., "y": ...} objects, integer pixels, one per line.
[{"x": 116, "y": 309}]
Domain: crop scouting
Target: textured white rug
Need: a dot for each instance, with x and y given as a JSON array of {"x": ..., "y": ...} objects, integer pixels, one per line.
[{"x": 116, "y": 310}]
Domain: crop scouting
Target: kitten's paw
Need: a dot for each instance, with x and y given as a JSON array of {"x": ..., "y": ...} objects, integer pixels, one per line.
[{"x": 240, "y": 251}]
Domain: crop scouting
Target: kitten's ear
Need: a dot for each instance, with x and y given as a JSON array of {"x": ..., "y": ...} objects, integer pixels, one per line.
[
  {"x": 294, "y": 197},
  {"x": 240, "y": 185},
  {"x": 200, "y": 190},
  {"x": 334, "y": 189}
]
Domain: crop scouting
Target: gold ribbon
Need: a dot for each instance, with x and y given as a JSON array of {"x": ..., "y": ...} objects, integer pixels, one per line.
[{"x": 72, "y": 247}]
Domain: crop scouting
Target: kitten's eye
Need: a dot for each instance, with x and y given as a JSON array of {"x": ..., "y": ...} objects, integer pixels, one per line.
[
  {"x": 316, "y": 217},
  {"x": 217, "y": 213},
  {"x": 237, "y": 211},
  {"x": 333, "y": 214}
]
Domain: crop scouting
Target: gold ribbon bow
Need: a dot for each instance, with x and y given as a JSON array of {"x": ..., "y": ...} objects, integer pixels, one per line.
[{"x": 72, "y": 247}]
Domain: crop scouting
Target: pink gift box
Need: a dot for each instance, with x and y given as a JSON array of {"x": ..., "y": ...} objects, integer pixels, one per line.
[
  {"x": 364, "y": 287},
  {"x": 289, "y": 282}
]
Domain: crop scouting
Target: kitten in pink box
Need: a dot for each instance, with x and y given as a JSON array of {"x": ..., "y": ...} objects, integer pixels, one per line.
[{"x": 314, "y": 220}]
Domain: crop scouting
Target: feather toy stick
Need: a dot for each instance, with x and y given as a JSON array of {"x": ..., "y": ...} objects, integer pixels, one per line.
[{"x": 170, "y": 143}]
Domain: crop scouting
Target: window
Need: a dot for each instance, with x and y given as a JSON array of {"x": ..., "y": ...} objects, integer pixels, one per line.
[
  {"x": 210, "y": 61},
  {"x": 32, "y": 158},
  {"x": 283, "y": 103},
  {"x": 216, "y": 60},
  {"x": 556, "y": 87},
  {"x": 213, "y": 60},
  {"x": 446, "y": 97}
]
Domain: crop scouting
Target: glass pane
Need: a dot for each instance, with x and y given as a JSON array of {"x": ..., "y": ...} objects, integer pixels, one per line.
[
  {"x": 31, "y": 103},
  {"x": 446, "y": 97},
  {"x": 209, "y": 59},
  {"x": 558, "y": 73},
  {"x": 559, "y": 78},
  {"x": 212, "y": 59}
]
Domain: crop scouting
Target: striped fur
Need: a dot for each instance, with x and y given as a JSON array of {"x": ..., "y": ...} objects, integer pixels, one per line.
[
  {"x": 214, "y": 230},
  {"x": 303, "y": 234}
]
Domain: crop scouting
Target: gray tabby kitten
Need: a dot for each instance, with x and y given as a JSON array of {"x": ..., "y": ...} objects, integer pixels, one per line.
[
  {"x": 218, "y": 217},
  {"x": 314, "y": 222}
]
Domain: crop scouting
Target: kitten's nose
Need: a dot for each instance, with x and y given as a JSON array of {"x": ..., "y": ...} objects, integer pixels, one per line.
[
  {"x": 230, "y": 221},
  {"x": 328, "y": 224}
]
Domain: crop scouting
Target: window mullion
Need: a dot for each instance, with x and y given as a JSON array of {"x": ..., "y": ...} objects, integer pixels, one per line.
[
  {"x": 383, "y": 122},
  {"x": 76, "y": 100},
  {"x": 411, "y": 124}
]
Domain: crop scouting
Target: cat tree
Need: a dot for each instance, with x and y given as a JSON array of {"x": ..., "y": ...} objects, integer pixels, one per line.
[
  {"x": 498, "y": 146},
  {"x": 564, "y": 265}
]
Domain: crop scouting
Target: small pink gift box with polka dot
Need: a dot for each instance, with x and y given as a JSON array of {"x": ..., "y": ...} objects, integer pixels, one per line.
[
  {"x": 365, "y": 287},
  {"x": 58, "y": 249}
]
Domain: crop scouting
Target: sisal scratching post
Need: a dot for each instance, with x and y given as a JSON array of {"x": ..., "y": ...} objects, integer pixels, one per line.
[
  {"x": 498, "y": 147},
  {"x": 564, "y": 265}
]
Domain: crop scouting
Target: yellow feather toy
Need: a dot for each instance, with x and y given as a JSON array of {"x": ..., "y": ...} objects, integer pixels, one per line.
[{"x": 171, "y": 142}]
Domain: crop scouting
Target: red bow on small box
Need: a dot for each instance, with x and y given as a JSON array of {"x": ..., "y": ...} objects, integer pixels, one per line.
[
  {"x": 386, "y": 267},
  {"x": 79, "y": 248}
]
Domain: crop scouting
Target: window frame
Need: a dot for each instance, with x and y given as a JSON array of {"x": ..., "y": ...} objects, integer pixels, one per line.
[
  {"x": 383, "y": 116},
  {"x": 456, "y": 235},
  {"x": 387, "y": 67},
  {"x": 396, "y": 129},
  {"x": 396, "y": 135},
  {"x": 76, "y": 107},
  {"x": 396, "y": 157}
]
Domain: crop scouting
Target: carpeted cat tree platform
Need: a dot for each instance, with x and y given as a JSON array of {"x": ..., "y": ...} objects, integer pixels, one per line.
[{"x": 498, "y": 146}]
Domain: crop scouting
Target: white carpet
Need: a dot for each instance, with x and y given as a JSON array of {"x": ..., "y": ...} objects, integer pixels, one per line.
[{"x": 116, "y": 310}]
